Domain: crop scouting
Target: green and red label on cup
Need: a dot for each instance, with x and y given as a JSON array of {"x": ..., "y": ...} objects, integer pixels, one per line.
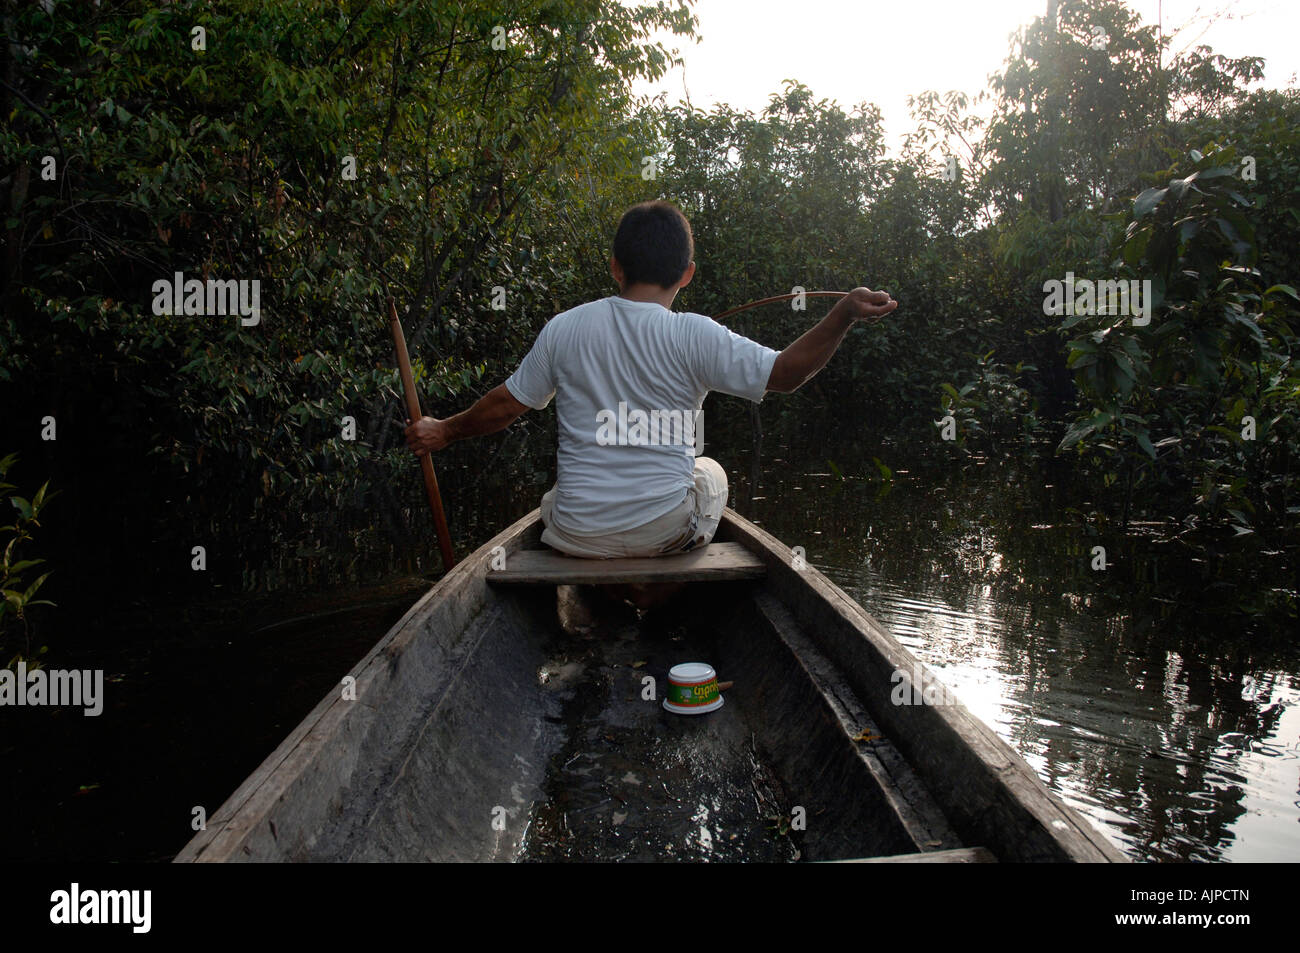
[
  {"x": 692, "y": 689},
  {"x": 688, "y": 695}
]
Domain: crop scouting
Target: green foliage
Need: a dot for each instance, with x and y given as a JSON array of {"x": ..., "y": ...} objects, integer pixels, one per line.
[
  {"x": 992, "y": 409},
  {"x": 1078, "y": 104},
  {"x": 17, "y": 589},
  {"x": 816, "y": 165},
  {"x": 480, "y": 167},
  {"x": 837, "y": 214},
  {"x": 232, "y": 162},
  {"x": 1218, "y": 349}
]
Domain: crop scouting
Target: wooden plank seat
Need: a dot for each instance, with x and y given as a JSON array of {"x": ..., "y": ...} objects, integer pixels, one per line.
[{"x": 716, "y": 562}]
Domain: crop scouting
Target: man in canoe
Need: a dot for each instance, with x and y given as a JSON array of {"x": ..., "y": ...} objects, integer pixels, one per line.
[{"x": 628, "y": 376}]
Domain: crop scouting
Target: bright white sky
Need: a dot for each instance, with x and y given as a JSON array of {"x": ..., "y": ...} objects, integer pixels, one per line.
[{"x": 882, "y": 50}]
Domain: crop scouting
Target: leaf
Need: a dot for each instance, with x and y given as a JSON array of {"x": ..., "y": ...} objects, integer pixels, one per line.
[
  {"x": 1218, "y": 172},
  {"x": 1147, "y": 201},
  {"x": 1145, "y": 443},
  {"x": 1226, "y": 229},
  {"x": 1125, "y": 365},
  {"x": 1285, "y": 289},
  {"x": 1074, "y": 435},
  {"x": 31, "y": 590},
  {"x": 1136, "y": 245}
]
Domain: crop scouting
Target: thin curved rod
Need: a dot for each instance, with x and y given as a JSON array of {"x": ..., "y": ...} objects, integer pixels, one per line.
[{"x": 775, "y": 298}]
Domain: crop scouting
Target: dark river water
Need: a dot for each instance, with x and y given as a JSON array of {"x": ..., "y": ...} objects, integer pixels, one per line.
[
  {"x": 1159, "y": 697},
  {"x": 1141, "y": 694}
]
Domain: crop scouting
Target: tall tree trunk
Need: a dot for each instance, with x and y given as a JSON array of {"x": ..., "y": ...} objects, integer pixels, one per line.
[
  {"x": 1054, "y": 203},
  {"x": 1162, "y": 88}
]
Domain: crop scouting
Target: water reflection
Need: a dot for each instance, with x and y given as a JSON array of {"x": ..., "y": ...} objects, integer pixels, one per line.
[{"x": 1122, "y": 689}]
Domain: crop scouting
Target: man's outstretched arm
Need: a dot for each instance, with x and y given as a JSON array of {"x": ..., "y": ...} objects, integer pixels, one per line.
[
  {"x": 495, "y": 410},
  {"x": 797, "y": 364}
]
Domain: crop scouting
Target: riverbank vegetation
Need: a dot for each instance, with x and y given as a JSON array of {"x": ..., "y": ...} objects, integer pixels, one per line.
[{"x": 474, "y": 167}]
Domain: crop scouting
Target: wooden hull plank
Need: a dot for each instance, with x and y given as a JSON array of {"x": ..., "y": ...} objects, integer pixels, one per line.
[{"x": 963, "y": 855}]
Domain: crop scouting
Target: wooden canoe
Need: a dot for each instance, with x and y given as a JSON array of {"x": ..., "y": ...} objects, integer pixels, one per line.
[{"x": 480, "y": 729}]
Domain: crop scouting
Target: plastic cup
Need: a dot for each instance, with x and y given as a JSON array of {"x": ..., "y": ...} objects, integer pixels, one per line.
[{"x": 692, "y": 689}]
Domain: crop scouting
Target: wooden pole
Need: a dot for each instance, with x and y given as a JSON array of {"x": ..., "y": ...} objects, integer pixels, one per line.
[
  {"x": 414, "y": 413},
  {"x": 775, "y": 298}
]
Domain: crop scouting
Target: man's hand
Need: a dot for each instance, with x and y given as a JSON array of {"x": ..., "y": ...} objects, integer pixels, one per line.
[
  {"x": 494, "y": 411},
  {"x": 863, "y": 304},
  {"x": 426, "y": 435}
]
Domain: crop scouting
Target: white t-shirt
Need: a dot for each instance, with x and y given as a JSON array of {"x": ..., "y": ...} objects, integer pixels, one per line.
[{"x": 628, "y": 378}]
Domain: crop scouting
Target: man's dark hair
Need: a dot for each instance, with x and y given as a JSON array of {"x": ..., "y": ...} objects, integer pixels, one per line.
[{"x": 654, "y": 244}]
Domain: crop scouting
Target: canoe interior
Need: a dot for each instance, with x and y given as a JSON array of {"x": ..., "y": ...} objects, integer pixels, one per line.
[
  {"x": 773, "y": 775},
  {"x": 482, "y": 730}
]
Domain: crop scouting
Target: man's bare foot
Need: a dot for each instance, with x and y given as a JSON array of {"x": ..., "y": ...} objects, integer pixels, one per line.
[
  {"x": 577, "y": 615},
  {"x": 585, "y": 610}
]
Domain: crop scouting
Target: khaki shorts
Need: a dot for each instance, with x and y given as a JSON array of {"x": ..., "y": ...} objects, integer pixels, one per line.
[{"x": 680, "y": 530}]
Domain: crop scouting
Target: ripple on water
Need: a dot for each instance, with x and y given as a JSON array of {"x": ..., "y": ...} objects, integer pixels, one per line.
[{"x": 1112, "y": 730}]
